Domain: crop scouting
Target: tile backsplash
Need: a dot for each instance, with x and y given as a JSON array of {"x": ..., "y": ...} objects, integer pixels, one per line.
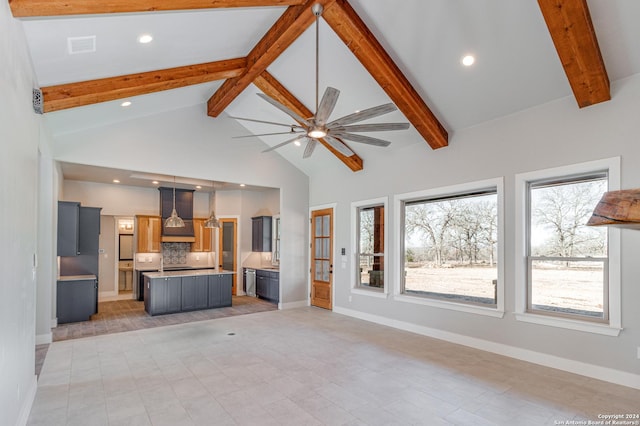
[{"x": 175, "y": 253}]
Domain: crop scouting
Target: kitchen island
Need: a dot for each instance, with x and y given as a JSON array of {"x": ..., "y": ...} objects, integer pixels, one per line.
[{"x": 182, "y": 291}]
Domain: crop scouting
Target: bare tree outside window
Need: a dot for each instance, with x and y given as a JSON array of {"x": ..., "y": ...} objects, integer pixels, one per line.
[
  {"x": 451, "y": 248},
  {"x": 568, "y": 260}
]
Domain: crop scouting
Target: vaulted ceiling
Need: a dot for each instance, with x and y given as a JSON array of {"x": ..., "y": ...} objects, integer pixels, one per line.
[{"x": 375, "y": 51}]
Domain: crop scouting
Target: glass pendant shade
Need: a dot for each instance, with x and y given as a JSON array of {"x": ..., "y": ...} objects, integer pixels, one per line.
[
  {"x": 212, "y": 222},
  {"x": 174, "y": 221}
]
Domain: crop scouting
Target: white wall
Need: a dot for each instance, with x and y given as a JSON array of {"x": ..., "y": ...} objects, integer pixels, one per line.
[
  {"x": 20, "y": 140},
  {"x": 107, "y": 278},
  {"x": 123, "y": 200},
  {"x": 208, "y": 153},
  {"x": 551, "y": 135}
]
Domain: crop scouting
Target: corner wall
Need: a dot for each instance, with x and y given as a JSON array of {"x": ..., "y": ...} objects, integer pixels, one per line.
[
  {"x": 19, "y": 166},
  {"x": 551, "y": 135}
]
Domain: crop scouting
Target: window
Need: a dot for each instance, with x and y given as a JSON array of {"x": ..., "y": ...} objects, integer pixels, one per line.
[
  {"x": 567, "y": 274},
  {"x": 567, "y": 260},
  {"x": 370, "y": 254},
  {"x": 451, "y": 247}
]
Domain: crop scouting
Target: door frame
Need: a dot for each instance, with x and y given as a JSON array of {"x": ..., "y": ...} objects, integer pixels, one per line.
[
  {"x": 332, "y": 207},
  {"x": 236, "y": 255}
]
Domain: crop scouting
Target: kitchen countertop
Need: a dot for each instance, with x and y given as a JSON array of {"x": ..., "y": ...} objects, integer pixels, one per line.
[
  {"x": 189, "y": 273},
  {"x": 76, "y": 277},
  {"x": 264, "y": 268}
]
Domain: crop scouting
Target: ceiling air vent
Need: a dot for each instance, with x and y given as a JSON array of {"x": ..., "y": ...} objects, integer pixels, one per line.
[{"x": 77, "y": 45}]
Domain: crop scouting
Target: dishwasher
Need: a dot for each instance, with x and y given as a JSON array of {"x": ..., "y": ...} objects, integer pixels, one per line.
[{"x": 250, "y": 281}]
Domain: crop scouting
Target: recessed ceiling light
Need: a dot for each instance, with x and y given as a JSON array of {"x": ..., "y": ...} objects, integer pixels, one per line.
[
  {"x": 243, "y": 185},
  {"x": 468, "y": 60},
  {"x": 116, "y": 181},
  {"x": 125, "y": 104},
  {"x": 155, "y": 182},
  {"x": 145, "y": 38},
  {"x": 198, "y": 187}
]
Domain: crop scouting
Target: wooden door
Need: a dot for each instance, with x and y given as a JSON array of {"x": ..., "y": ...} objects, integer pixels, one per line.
[
  {"x": 322, "y": 258},
  {"x": 227, "y": 248}
]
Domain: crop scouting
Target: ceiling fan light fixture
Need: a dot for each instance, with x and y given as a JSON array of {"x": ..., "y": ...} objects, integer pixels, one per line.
[{"x": 317, "y": 132}]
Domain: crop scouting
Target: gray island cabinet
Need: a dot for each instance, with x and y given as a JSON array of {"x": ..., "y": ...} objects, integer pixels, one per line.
[{"x": 182, "y": 291}]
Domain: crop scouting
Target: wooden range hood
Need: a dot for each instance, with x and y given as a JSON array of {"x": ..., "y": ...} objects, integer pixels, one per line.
[{"x": 618, "y": 208}]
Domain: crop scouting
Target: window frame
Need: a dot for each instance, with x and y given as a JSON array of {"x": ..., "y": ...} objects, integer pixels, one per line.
[
  {"x": 398, "y": 250},
  {"x": 356, "y": 206},
  {"x": 611, "y": 326}
]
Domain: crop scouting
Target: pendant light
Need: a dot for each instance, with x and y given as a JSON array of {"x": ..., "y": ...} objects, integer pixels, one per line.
[
  {"x": 212, "y": 222},
  {"x": 174, "y": 221}
]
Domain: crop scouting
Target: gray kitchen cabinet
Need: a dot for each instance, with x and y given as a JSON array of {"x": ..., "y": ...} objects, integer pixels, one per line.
[
  {"x": 68, "y": 228},
  {"x": 89, "y": 235},
  {"x": 274, "y": 286},
  {"x": 194, "y": 292},
  {"x": 268, "y": 285},
  {"x": 261, "y": 233},
  {"x": 76, "y": 300},
  {"x": 78, "y": 229},
  {"x": 220, "y": 287},
  {"x": 164, "y": 295}
]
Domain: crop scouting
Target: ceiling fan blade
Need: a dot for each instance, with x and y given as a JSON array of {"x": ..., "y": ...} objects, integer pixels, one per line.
[
  {"x": 364, "y": 139},
  {"x": 371, "y": 127},
  {"x": 297, "y": 138},
  {"x": 267, "y": 134},
  {"x": 365, "y": 114},
  {"x": 338, "y": 146},
  {"x": 311, "y": 145},
  {"x": 265, "y": 122},
  {"x": 284, "y": 109},
  {"x": 327, "y": 104}
]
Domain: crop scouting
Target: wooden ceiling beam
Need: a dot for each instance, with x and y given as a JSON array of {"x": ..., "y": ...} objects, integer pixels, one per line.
[
  {"x": 274, "y": 89},
  {"x": 354, "y": 33},
  {"x": 293, "y": 22},
  {"x": 34, "y": 8},
  {"x": 72, "y": 95},
  {"x": 574, "y": 37}
]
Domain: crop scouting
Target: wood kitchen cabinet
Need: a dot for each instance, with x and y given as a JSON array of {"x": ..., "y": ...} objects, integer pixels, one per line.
[
  {"x": 261, "y": 233},
  {"x": 202, "y": 235},
  {"x": 149, "y": 234}
]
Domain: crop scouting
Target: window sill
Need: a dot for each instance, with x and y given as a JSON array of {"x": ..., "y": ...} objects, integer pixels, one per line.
[
  {"x": 471, "y": 309},
  {"x": 577, "y": 325},
  {"x": 371, "y": 293}
]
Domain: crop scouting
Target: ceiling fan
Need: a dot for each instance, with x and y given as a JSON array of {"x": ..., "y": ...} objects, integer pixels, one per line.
[{"x": 318, "y": 127}]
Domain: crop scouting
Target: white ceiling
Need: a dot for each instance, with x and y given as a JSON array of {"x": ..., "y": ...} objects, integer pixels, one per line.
[{"x": 516, "y": 66}]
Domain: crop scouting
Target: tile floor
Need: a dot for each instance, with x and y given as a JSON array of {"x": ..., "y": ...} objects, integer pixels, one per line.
[
  {"x": 128, "y": 315},
  {"x": 304, "y": 366}
]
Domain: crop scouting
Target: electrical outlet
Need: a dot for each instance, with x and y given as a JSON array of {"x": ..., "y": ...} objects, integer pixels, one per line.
[
  {"x": 638, "y": 352},
  {"x": 351, "y": 298}
]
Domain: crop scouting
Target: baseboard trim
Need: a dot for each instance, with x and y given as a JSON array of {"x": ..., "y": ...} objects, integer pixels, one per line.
[
  {"x": 30, "y": 396},
  {"x": 577, "y": 367},
  {"x": 293, "y": 305},
  {"x": 43, "y": 339}
]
